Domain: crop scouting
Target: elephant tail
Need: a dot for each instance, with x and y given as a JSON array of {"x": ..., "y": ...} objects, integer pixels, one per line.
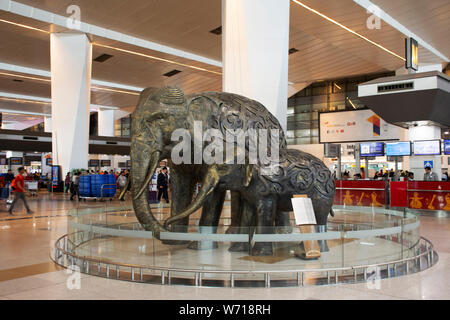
[{"x": 331, "y": 212}]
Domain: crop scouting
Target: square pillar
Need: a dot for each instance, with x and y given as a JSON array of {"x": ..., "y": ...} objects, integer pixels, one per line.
[
  {"x": 71, "y": 62},
  {"x": 255, "y": 44}
]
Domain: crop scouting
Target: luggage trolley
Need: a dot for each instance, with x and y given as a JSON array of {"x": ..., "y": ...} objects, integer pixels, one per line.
[
  {"x": 32, "y": 187},
  {"x": 97, "y": 187}
]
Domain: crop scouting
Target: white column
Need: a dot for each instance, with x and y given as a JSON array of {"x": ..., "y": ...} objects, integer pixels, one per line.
[
  {"x": 255, "y": 44},
  {"x": 416, "y": 163},
  {"x": 47, "y": 124},
  {"x": 105, "y": 122},
  {"x": 71, "y": 60}
]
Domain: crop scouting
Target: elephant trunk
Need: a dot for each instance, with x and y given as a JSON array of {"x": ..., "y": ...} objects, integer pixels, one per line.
[
  {"x": 144, "y": 161},
  {"x": 210, "y": 182}
]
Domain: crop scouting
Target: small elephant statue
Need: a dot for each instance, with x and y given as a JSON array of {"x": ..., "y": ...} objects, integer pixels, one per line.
[{"x": 269, "y": 196}]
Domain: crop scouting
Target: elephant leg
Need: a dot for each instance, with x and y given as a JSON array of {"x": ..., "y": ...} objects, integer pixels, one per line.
[
  {"x": 212, "y": 208},
  {"x": 236, "y": 211},
  {"x": 282, "y": 222},
  {"x": 265, "y": 213},
  {"x": 322, "y": 208},
  {"x": 182, "y": 190},
  {"x": 247, "y": 220}
]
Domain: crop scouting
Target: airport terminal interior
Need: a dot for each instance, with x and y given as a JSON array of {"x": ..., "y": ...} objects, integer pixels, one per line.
[{"x": 224, "y": 150}]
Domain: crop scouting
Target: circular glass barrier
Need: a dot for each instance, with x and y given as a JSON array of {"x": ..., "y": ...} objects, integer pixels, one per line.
[{"x": 359, "y": 244}]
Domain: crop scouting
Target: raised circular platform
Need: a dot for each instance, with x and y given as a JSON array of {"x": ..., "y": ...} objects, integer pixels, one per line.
[{"x": 365, "y": 244}]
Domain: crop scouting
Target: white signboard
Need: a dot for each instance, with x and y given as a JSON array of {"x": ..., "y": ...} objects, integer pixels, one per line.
[
  {"x": 303, "y": 211},
  {"x": 357, "y": 125}
]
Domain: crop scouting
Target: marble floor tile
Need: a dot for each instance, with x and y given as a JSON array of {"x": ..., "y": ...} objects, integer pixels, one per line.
[{"x": 27, "y": 241}]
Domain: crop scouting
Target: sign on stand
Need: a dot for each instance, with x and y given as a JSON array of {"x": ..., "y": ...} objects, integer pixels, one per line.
[
  {"x": 303, "y": 211},
  {"x": 305, "y": 218}
]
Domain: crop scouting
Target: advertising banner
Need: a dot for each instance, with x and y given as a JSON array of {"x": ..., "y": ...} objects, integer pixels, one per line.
[
  {"x": 353, "y": 126},
  {"x": 429, "y": 195},
  {"x": 360, "y": 193}
]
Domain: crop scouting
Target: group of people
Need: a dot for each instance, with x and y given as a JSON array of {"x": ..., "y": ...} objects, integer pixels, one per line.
[{"x": 429, "y": 175}]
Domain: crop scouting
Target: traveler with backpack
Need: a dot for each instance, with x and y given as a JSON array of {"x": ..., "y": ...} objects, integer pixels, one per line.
[{"x": 18, "y": 187}]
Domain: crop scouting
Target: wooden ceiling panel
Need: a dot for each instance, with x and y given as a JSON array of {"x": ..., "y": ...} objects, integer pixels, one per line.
[
  {"x": 184, "y": 25},
  {"x": 430, "y": 20}
]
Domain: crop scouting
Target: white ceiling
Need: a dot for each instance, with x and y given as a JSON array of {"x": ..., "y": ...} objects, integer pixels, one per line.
[{"x": 325, "y": 50}]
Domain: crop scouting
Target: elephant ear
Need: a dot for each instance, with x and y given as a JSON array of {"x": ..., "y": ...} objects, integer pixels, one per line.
[
  {"x": 172, "y": 96},
  {"x": 248, "y": 175}
]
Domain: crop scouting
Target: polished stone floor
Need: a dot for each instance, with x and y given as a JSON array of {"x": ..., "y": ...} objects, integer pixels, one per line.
[{"x": 26, "y": 271}]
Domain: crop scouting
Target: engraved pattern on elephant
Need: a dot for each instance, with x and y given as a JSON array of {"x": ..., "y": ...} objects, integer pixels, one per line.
[{"x": 298, "y": 173}]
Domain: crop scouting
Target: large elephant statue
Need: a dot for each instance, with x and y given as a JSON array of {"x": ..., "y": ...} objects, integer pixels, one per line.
[
  {"x": 161, "y": 111},
  {"x": 269, "y": 196}
]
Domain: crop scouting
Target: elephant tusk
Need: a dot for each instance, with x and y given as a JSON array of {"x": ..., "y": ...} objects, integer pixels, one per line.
[{"x": 150, "y": 172}]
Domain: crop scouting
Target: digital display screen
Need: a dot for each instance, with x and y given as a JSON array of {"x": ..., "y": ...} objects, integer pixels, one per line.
[
  {"x": 106, "y": 163},
  {"x": 427, "y": 147},
  {"x": 48, "y": 161},
  {"x": 55, "y": 175},
  {"x": 372, "y": 149},
  {"x": 94, "y": 163},
  {"x": 398, "y": 149},
  {"x": 16, "y": 161},
  {"x": 447, "y": 147}
]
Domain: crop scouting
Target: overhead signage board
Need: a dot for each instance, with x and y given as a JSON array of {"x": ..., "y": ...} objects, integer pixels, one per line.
[
  {"x": 332, "y": 150},
  {"x": 105, "y": 163},
  {"x": 16, "y": 161},
  {"x": 372, "y": 149},
  {"x": 398, "y": 148},
  {"x": 427, "y": 147},
  {"x": 94, "y": 163},
  {"x": 447, "y": 147},
  {"x": 412, "y": 54},
  {"x": 354, "y": 126}
]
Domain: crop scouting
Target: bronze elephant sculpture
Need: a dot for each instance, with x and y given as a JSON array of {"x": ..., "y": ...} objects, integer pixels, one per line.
[{"x": 158, "y": 114}]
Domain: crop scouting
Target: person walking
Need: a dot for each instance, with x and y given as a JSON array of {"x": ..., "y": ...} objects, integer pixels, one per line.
[
  {"x": 75, "y": 186},
  {"x": 67, "y": 183},
  {"x": 162, "y": 185},
  {"x": 429, "y": 175},
  {"x": 18, "y": 187}
]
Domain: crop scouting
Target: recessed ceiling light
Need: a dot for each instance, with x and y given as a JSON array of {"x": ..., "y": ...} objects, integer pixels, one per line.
[
  {"x": 156, "y": 58},
  {"x": 347, "y": 29},
  {"x": 103, "y": 57},
  {"x": 171, "y": 73},
  {"x": 217, "y": 31}
]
